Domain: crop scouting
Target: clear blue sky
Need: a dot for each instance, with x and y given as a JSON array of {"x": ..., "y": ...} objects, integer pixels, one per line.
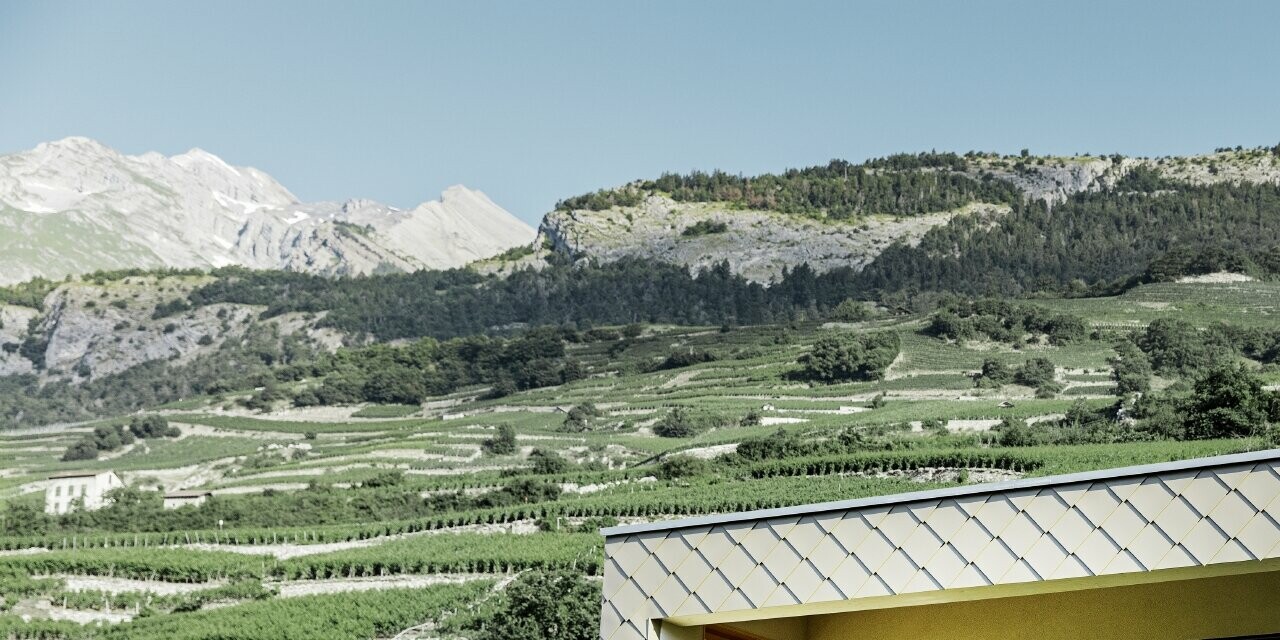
[{"x": 535, "y": 101}]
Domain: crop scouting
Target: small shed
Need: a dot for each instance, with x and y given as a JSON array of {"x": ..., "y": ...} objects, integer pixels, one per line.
[{"x": 176, "y": 499}]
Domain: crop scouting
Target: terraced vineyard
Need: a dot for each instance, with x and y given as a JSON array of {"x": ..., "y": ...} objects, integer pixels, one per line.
[{"x": 401, "y": 515}]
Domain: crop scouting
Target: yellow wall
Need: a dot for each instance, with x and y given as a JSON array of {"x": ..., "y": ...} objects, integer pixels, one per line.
[
  {"x": 779, "y": 629},
  {"x": 1185, "y": 609}
]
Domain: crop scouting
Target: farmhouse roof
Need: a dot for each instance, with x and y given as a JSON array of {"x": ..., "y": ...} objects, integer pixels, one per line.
[
  {"x": 76, "y": 474},
  {"x": 188, "y": 494}
]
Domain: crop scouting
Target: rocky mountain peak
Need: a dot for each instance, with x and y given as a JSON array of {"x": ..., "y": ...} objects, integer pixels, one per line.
[
  {"x": 78, "y": 145},
  {"x": 74, "y": 205}
]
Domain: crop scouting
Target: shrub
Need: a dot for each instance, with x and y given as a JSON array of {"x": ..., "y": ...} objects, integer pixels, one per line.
[
  {"x": 1015, "y": 433},
  {"x": 600, "y": 334},
  {"x": 502, "y": 387},
  {"x": 152, "y": 427},
  {"x": 681, "y": 359},
  {"x": 1131, "y": 369},
  {"x": 850, "y": 356},
  {"x": 545, "y": 605},
  {"x": 503, "y": 443},
  {"x": 522, "y": 491},
  {"x": 105, "y": 437},
  {"x": 579, "y": 418},
  {"x": 678, "y": 423},
  {"x": 384, "y": 479},
  {"x": 705, "y": 227},
  {"x": 1048, "y": 390},
  {"x": 1228, "y": 402},
  {"x": 546, "y": 462},
  {"x": 681, "y": 422},
  {"x": 778, "y": 445},
  {"x": 1005, "y": 321},
  {"x": 1158, "y": 416},
  {"x": 850, "y": 310},
  {"x": 80, "y": 450},
  {"x": 682, "y": 466},
  {"x": 933, "y": 425},
  {"x": 1036, "y": 372},
  {"x": 1176, "y": 346},
  {"x": 993, "y": 374}
]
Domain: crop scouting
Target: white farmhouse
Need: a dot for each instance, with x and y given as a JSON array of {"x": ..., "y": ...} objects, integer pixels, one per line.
[
  {"x": 85, "y": 490},
  {"x": 176, "y": 499}
]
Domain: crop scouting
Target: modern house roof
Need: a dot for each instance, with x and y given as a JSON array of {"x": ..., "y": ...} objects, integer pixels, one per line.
[
  {"x": 1141, "y": 524},
  {"x": 950, "y": 492}
]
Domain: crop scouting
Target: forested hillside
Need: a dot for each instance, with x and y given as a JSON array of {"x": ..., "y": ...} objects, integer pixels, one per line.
[
  {"x": 977, "y": 223},
  {"x": 902, "y": 185},
  {"x": 1094, "y": 242},
  {"x": 1100, "y": 239}
]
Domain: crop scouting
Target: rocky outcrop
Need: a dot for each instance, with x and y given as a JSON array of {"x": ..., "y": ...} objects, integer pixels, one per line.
[
  {"x": 75, "y": 206},
  {"x": 85, "y": 330},
  {"x": 1257, "y": 166},
  {"x": 1055, "y": 179},
  {"x": 757, "y": 244},
  {"x": 94, "y": 330},
  {"x": 14, "y": 321}
]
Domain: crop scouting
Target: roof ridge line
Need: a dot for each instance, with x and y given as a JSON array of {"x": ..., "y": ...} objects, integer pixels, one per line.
[{"x": 950, "y": 492}]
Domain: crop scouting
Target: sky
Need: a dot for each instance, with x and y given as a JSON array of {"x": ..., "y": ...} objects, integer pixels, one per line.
[{"x": 532, "y": 102}]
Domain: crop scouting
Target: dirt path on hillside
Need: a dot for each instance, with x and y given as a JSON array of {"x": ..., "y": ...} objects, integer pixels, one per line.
[
  {"x": 128, "y": 585},
  {"x": 30, "y": 551},
  {"x": 772, "y": 420},
  {"x": 680, "y": 379},
  {"x": 284, "y": 551},
  {"x": 259, "y": 488},
  {"x": 189, "y": 430},
  {"x": 714, "y": 451},
  {"x": 296, "y": 588},
  {"x": 306, "y": 471},
  {"x": 43, "y": 609}
]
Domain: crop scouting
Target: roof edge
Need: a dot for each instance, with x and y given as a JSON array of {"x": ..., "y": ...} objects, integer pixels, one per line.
[
  {"x": 78, "y": 474},
  {"x": 189, "y": 493},
  {"x": 950, "y": 492}
]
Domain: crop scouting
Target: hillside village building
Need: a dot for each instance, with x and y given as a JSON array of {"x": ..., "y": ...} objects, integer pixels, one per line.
[
  {"x": 1187, "y": 549},
  {"x": 176, "y": 499},
  {"x": 80, "y": 489}
]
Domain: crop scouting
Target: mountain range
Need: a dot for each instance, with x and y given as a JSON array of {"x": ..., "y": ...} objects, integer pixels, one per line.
[
  {"x": 74, "y": 206},
  {"x": 690, "y": 249}
]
